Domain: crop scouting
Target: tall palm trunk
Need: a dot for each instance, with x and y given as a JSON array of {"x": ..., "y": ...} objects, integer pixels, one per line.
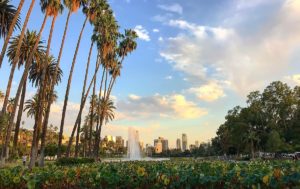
[
  {"x": 15, "y": 60},
  {"x": 41, "y": 98},
  {"x": 61, "y": 129},
  {"x": 44, "y": 132},
  {"x": 43, "y": 141},
  {"x": 85, "y": 150},
  {"x": 8, "y": 88},
  {"x": 22, "y": 81},
  {"x": 10, "y": 31},
  {"x": 81, "y": 108},
  {"x": 99, "y": 118},
  {"x": 111, "y": 85},
  {"x": 19, "y": 117},
  {"x": 99, "y": 97},
  {"x": 92, "y": 118},
  {"x": 82, "y": 96},
  {"x": 47, "y": 114},
  {"x": 77, "y": 137},
  {"x": 97, "y": 139}
]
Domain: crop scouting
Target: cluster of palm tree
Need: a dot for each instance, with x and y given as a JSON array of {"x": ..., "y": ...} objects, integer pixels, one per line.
[{"x": 42, "y": 70}]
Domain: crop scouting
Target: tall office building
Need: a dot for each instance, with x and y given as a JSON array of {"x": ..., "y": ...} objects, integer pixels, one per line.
[
  {"x": 158, "y": 147},
  {"x": 184, "y": 142},
  {"x": 164, "y": 143},
  {"x": 197, "y": 144},
  {"x": 178, "y": 144}
]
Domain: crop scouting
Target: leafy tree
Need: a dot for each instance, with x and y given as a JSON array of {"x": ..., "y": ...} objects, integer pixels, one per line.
[{"x": 274, "y": 142}]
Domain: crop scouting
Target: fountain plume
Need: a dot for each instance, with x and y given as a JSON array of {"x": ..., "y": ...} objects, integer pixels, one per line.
[{"x": 133, "y": 151}]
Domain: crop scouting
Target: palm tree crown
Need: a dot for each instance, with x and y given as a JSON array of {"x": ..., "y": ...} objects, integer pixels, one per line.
[
  {"x": 51, "y": 7},
  {"x": 7, "y": 13},
  {"x": 27, "y": 46},
  {"x": 106, "y": 109},
  {"x": 74, "y": 5},
  {"x": 36, "y": 69}
]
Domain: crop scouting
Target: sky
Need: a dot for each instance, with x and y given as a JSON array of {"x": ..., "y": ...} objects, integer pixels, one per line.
[{"x": 195, "y": 60}]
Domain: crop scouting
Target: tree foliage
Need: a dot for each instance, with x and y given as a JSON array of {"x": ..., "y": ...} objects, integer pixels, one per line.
[{"x": 270, "y": 122}]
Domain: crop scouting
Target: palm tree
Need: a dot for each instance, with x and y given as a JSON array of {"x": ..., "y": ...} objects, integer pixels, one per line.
[
  {"x": 9, "y": 20},
  {"x": 81, "y": 108},
  {"x": 19, "y": 44},
  {"x": 94, "y": 10},
  {"x": 71, "y": 74},
  {"x": 50, "y": 8},
  {"x": 27, "y": 46},
  {"x": 127, "y": 45},
  {"x": 113, "y": 63},
  {"x": 92, "y": 117},
  {"x": 50, "y": 97},
  {"x": 73, "y": 6},
  {"x": 106, "y": 35},
  {"x": 82, "y": 96},
  {"x": 31, "y": 107},
  {"x": 18, "y": 93},
  {"x": 105, "y": 114},
  {"x": 19, "y": 117},
  {"x": 7, "y": 14}
]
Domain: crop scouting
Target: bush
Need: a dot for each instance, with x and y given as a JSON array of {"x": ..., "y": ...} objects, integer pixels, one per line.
[
  {"x": 73, "y": 161},
  {"x": 156, "y": 175}
]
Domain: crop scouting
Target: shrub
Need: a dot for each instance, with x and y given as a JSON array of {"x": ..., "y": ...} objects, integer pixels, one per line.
[
  {"x": 168, "y": 174},
  {"x": 73, "y": 161}
]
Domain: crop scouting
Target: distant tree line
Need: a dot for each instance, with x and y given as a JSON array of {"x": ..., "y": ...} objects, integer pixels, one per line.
[{"x": 269, "y": 123}]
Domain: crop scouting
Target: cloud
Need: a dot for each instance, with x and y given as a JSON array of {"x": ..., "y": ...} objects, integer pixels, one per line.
[
  {"x": 158, "y": 106},
  {"x": 142, "y": 33},
  {"x": 176, "y": 8},
  {"x": 134, "y": 97},
  {"x": 247, "y": 60},
  {"x": 155, "y": 30},
  {"x": 56, "y": 113},
  {"x": 169, "y": 77},
  {"x": 209, "y": 92},
  {"x": 245, "y": 4},
  {"x": 294, "y": 79}
]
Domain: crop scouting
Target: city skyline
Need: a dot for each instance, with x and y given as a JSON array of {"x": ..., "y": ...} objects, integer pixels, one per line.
[
  {"x": 194, "y": 86},
  {"x": 164, "y": 142}
]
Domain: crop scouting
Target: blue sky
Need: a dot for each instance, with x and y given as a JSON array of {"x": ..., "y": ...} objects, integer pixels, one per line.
[{"x": 195, "y": 60}]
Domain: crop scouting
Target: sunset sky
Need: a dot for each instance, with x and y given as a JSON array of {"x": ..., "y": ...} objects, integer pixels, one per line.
[{"x": 195, "y": 60}]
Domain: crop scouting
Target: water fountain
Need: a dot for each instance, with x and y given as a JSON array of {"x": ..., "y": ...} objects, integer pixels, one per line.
[{"x": 134, "y": 150}]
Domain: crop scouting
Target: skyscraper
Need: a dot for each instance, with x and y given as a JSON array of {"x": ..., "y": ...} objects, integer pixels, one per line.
[
  {"x": 161, "y": 142},
  {"x": 158, "y": 147},
  {"x": 184, "y": 142},
  {"x": 178, "y": 144},
  {"x": 197, "y": 144}
]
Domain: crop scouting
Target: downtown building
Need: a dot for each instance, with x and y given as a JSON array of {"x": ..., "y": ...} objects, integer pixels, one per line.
[
  {"x": 161, "y": 145},
  {"x": 178, "y": 144},
  {"x": 184, "y": 142}
]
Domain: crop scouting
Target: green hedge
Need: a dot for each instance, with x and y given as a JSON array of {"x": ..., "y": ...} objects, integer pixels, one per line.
[
  {"x": 73, "y": 161},
  {"x": 156, "y": 175}
]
